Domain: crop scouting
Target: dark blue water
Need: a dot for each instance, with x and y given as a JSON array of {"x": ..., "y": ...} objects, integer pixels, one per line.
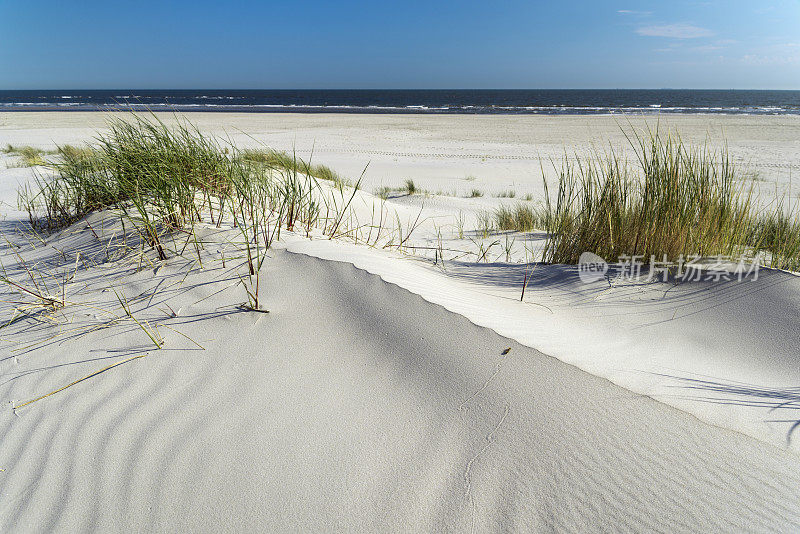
[{"x": 534, "y": 101}]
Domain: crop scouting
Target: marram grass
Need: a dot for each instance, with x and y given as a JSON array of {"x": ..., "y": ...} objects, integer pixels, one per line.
[
  {"x": 31, "y": 156},
  {"x": 164, "y": 180},
  {"x": 520, "y": 218},
  {"x": 679, "y": 201},
  {"x": 276, "y": 159}
]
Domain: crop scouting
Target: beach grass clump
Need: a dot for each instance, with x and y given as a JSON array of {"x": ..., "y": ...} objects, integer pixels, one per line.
[
  {"x": 685, "y": 201},
  {"x": 31, "y": 156},
  {"x": 273, "y": 158},
  {"x": 139, "y": 166},
  {"x": 777, "y": 234},
  {"x": 485, "y": 223},
  {"x": 277, "y": 159},
  {"x": 409, "y": 187},
  {"x": 323, "y": 172},
  {"x": 383, "y": 192},
  {"x": 164, "y": 180},
  {"x": 506, "y": 194},
  {"x": 681, "y": 201},
  {"x": 475, "y": 193},
  {"x": 164, "y": 177},
  {"x": 520, "y": 218},
  {"x": 156, "y": 174}
]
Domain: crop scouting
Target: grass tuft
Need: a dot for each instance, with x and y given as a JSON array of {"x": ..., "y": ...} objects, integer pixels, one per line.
[
  {"x": 383, "y": 192},
  {"x": 31, "y": 156},
  {"x": 276, "y": 159},
  {"x": 681, "y": 201},
  {"x": 520, "y": 218},
  {"x": 164, "y": 180}
]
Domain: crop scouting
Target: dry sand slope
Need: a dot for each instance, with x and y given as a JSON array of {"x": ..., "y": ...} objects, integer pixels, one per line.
[{"x": 354, "y": 406}]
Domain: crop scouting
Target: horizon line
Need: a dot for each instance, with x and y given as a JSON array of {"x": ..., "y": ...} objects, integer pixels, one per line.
[{"x": 398, "y": 89}]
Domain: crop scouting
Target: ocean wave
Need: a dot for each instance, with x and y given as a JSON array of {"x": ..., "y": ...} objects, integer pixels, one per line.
[{"x": 221, "y": 103}]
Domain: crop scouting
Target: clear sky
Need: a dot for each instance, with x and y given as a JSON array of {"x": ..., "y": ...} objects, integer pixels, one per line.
[{"x": 167, "y": 44}]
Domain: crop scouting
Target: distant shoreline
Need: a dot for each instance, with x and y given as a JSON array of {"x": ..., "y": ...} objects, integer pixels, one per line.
[
  {"x": 428, "y": 102},
  {"x": 399, "y": 111}
]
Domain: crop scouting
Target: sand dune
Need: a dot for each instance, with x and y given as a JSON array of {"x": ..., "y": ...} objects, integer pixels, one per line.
[
  {"x": 722, "y": 351},
  {"x": 379, "y": 393},
  {"x": 356, "y": 405}
]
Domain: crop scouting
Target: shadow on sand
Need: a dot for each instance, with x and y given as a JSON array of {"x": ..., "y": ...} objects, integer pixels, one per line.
[{"x": 775, "y": 400}]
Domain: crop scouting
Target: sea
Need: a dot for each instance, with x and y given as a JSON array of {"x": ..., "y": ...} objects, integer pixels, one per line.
[{"x": 458, "y": 101}]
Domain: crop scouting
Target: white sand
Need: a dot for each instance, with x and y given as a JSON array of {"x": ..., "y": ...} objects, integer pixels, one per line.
[
  {"x": 356, "y": 405},
  {"x": 439, "y": 152}
]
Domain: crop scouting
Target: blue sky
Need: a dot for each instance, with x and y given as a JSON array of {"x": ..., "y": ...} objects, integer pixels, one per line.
[{"x": 399, "y": 44}]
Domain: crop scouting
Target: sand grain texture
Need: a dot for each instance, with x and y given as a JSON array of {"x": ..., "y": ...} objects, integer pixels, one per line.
[
  {"x": 356, "y": 405},
  {"x": 369, "y": 399}
]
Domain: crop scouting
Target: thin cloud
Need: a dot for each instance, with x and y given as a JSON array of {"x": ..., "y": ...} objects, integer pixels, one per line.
[
  {"x": 634, "y": 12},
  {"x": 675, "y": 31},
  {"x": 756, "y": 59},
  {"x": 706, "y": 48}
]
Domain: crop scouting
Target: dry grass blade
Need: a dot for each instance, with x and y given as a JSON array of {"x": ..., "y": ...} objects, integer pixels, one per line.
[
  {"x": 151, "y": 332},
  {"x": 17, "y": 407}
]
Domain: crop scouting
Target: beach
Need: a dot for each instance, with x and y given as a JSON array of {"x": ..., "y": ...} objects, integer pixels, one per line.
[
  {"x": 440, "y": 152},
  {"x": 433, "y": 378}
]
